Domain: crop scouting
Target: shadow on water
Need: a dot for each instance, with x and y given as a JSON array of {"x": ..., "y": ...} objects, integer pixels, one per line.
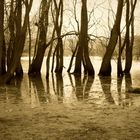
[{"x": 36, "y": 90}]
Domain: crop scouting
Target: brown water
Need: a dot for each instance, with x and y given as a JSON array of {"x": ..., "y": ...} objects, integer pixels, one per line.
[
  {"x": 70, "y": 90},
  {"x": 36, "y": 108}
]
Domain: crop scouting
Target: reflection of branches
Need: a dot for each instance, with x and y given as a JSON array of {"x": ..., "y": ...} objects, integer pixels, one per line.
[{"x": 75, "y": 14}]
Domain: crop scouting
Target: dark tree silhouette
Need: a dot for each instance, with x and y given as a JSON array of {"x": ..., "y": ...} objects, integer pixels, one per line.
[
  {"x": 82, "y": 55},
  {"x": 2, "y": 40},
  {"x": 15, "y": 21},
  {"x": 128, "y": 40},
  {"x": 58, "y": 28},
  {"x": 17, "y": 53},
  {"x": 105, "y": 69},
  {"x": 36, "y": 64},
  {"x": 129, "y": 36}
]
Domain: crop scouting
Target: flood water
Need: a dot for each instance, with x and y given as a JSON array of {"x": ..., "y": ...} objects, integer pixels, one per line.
[
  {"x": 68, "y": 107},
  {"x": 71, "y": 90}
]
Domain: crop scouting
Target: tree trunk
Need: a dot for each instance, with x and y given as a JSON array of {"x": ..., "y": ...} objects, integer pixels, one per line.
[
  {"x": 82, "y": 52},
  {"x": 119, "y": 63},
  {"x": 19, "y": 70},
  {"x": 12, "y": 39},
  {"x": 49, "y": 55},
  {"x": 129, "y": 44},
  {"x": 58, "y": 26},
  {"x": 105, "y": 69},
  {"x": 19, "y": 46},
  {"x": 78, "y": 60},
  {"x": 2, "y": 41},
  {"x": 59, "y": 56},
  {"x": 15, "y": 21},
  {"x": 72, "y": 57},
  {"x": 35, "y": 67},
  {"x": 84, "y": 39}
]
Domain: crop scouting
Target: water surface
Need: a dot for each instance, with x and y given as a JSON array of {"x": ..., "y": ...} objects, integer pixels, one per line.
[{"x": 70, "y": 90}]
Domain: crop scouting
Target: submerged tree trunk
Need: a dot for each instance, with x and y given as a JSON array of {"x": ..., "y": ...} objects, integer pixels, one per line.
[
  {"x": 19, "y": 46},
  {"x": 12, "y": 34},
  {"x": 84, "y": 39},
  {"x": 82, "y": 50},
  {"x": 119, "y": 63},
  {"x": 35, "y": 67},
  {"x": 72, "y": 57},
  {"x": 105, "y": 69},
  {"x": 58, "y": 26},
  {"x": 49, "y": 55},
  {"x": 15, "y": 21},
  {"x": 129, "y": 44},
  {"x": 2, "y": 41},
  {"x": 59, "y": 56},
  {"x": 19, "y": 70},
  {"x": 78, "y": 60}
]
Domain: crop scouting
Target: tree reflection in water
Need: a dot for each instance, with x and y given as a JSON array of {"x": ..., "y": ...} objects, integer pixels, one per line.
[
  {"x": 13, "y": 93},
  {"x": 58, "y": 88},
  {"x": 37, "y": 90},
  {"x": 78, "y": 87},
  {"x": 106, "y": 87},
  {"x": 123, "y": 97},
  {"x": 119, "y": 89},
  {"x": 83, "y": 86},
  {"x": 88, "y": 82}
]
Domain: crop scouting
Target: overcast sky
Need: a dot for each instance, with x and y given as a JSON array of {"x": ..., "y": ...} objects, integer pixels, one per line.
[{"x": 100, "y": 14}]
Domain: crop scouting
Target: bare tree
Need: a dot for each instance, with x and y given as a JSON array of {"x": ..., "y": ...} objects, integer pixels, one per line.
[
  {"x": 128, "y": 39},
  {"x": 82, "y": 55},
  {"x": 58, "y": 28},
  {"x": 19, "y": 45},
  {"x": 105, "y": 69},
  {"x": 36, "y": 64},
  {"x": 129, "y": 36}
]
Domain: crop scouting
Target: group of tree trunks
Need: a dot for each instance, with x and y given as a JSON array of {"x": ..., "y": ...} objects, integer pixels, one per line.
[{"x": 18, "y": 25}]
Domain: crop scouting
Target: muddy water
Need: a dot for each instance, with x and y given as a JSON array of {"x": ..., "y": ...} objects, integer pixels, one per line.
[{"x": 71, "y": 107}]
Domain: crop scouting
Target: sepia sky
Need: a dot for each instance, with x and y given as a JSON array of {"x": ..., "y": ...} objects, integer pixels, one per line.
[{"x": 100, "y": 15}]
